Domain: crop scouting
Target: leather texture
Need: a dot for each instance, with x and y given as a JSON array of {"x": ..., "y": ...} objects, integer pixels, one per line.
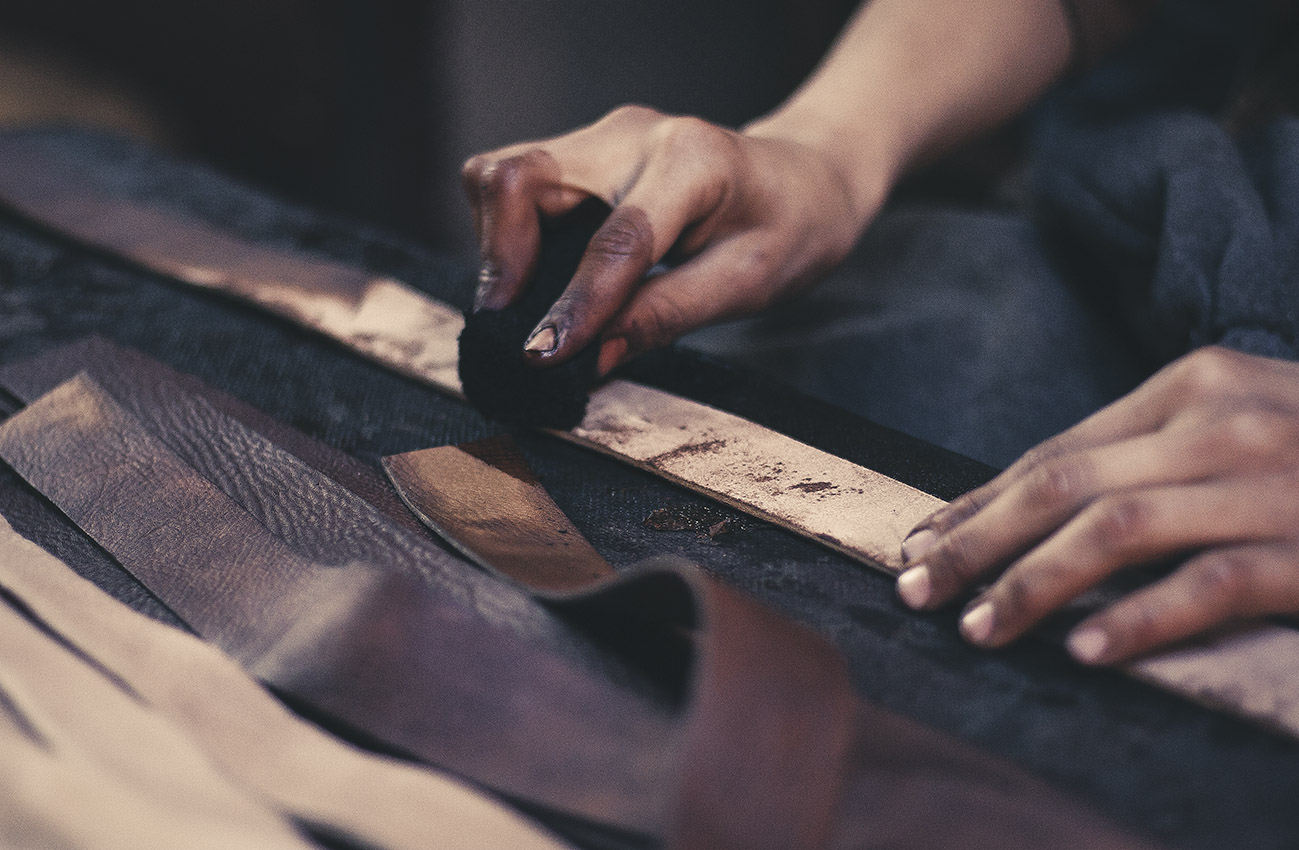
[
  {"x": 230, "y": 765},
  {"x": 774, "y": 735},
  {"x": 381, "y": 651},
  {"x": 423, "y": 669},
  {"x": 1198, "y": 778}
]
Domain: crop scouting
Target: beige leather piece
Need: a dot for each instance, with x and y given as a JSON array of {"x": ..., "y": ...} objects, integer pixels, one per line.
[
  {"x": 1252, "y": 671},
  {"x": 85, "y": 765},
  {"x": 247, "y": 735}
]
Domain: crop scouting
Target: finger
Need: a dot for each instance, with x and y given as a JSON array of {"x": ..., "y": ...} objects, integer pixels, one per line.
[
  {"x": 1044, "y": 498},
  {"x": 683, "y": 183},
  {"x": 508, "y": 196},
  {"x": 1207, "y": 378},
  {"x": 688, "y": 297},
  {"x": 1209, "y": 590},
  {"x": 1120, "y": 530}
]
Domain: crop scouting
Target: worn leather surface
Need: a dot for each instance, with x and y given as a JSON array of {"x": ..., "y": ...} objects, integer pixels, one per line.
[
  {"x": 1195, "y": 777},
  {"x": 778, "y": 751},
  {"x": 416, "y": 666},
  {"x": 192, "y": 696},
  {"x": 482, "y": 498}
]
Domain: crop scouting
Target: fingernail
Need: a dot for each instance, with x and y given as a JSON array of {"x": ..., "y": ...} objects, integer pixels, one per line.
[
  {"x": 977, "y": 624},
  {"x": 914, "y": 587},
  {"x": 1088, "y": 645},
  {"x": 917, "y": 544},
  {"x": 612, "y": 352},
  {"x": 542, "y": 341}
]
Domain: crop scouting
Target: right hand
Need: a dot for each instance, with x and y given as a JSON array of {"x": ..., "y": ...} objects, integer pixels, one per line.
[{"x": 747, "y": 219}]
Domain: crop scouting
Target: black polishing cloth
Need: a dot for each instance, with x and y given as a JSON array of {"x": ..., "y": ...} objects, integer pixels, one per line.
[{"x": 493, "y": 371}]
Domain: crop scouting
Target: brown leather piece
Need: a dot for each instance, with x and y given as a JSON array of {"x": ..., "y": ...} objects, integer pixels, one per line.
[
  {"x": 420, "y": 668},
  {"x": 770, "y": 748},
  {"x": 515, "y": 529},
  {"x": 777, "y": 749}
]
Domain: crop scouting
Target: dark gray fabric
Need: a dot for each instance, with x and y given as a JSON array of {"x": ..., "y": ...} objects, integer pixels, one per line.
[
  {"x": 1194, "y": 777},
  {"x": 953, "y": 326}
]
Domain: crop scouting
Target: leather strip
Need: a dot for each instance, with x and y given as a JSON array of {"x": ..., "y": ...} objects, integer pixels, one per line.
[
  {"x": 853, "y": 510},
  {"x": 847, "y": 507},
  {"x": 358, "y": 643},
  {"x": 778, "y": 750},
  {"x": 248, "y": 735}
]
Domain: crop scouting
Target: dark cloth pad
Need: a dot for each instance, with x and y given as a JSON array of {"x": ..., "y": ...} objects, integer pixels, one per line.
[{"x": 493, "y": 371}]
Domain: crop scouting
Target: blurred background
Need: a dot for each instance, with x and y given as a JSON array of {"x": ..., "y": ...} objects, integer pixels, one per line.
[{"x": 368, "y": 107}]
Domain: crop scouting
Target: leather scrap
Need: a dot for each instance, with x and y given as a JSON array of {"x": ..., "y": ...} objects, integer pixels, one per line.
[
  {"x": 275, "y": 757},
  {"x": 779, "y": 752},
  {"x": 518, "y": 531},
  {"x": 372, "y": 648}
]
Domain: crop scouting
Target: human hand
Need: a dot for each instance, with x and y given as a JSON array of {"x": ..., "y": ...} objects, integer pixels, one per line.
[
  {"x": 1202, "y": 460},
  {"x": 749, "y": 218}
]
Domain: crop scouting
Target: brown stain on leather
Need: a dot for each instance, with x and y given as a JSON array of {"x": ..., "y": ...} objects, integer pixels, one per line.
[
  {"x": 812, "y": 486},
  {"x": 688, "y": 450}
]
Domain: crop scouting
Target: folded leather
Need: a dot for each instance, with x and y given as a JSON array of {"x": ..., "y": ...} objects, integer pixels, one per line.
[
  {"x": 415, "y": 664},
  {"x": 779, "y": 751},
  {"x": 149, "y": 693},
  {"x": 770, "y": 748}
]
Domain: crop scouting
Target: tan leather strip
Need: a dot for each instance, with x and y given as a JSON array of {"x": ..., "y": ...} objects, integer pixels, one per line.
[
  {"x": 847, "y": 507},
  {"x": 247, "y": 734}
]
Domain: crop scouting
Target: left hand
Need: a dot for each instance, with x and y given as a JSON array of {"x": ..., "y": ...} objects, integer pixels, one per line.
[{"x": 1201, "y": 461}]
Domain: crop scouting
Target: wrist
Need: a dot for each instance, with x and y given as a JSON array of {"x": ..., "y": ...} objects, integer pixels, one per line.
[{"x": 862, "y": 163}]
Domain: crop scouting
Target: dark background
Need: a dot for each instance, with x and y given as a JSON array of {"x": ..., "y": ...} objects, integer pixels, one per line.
[{"x": 368, "y": 108}]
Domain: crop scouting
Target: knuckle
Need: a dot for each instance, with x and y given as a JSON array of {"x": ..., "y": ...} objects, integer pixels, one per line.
[
  {"x": 472, "y": 169},
  {"x": 631, "y": 113},
  {"x": 1252, "y": 432},
  {"x": 657, "y": 323},
  {"x": 624, "y": 236},
  {"x": 1121, "y": 523},
  {"x": 688, "y": 134},
  {"x": 1222, "y": 580},
  {"x": 1206, "y": 372},
  {"x": 1059, "y": 482},
  {"x": 1136, "y": 620},
  {"x": 955, "y": 557},
  {"x": 1020, "y": 594}
]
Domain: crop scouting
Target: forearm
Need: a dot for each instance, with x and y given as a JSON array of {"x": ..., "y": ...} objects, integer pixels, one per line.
[{"x": 910, "y": 78}]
